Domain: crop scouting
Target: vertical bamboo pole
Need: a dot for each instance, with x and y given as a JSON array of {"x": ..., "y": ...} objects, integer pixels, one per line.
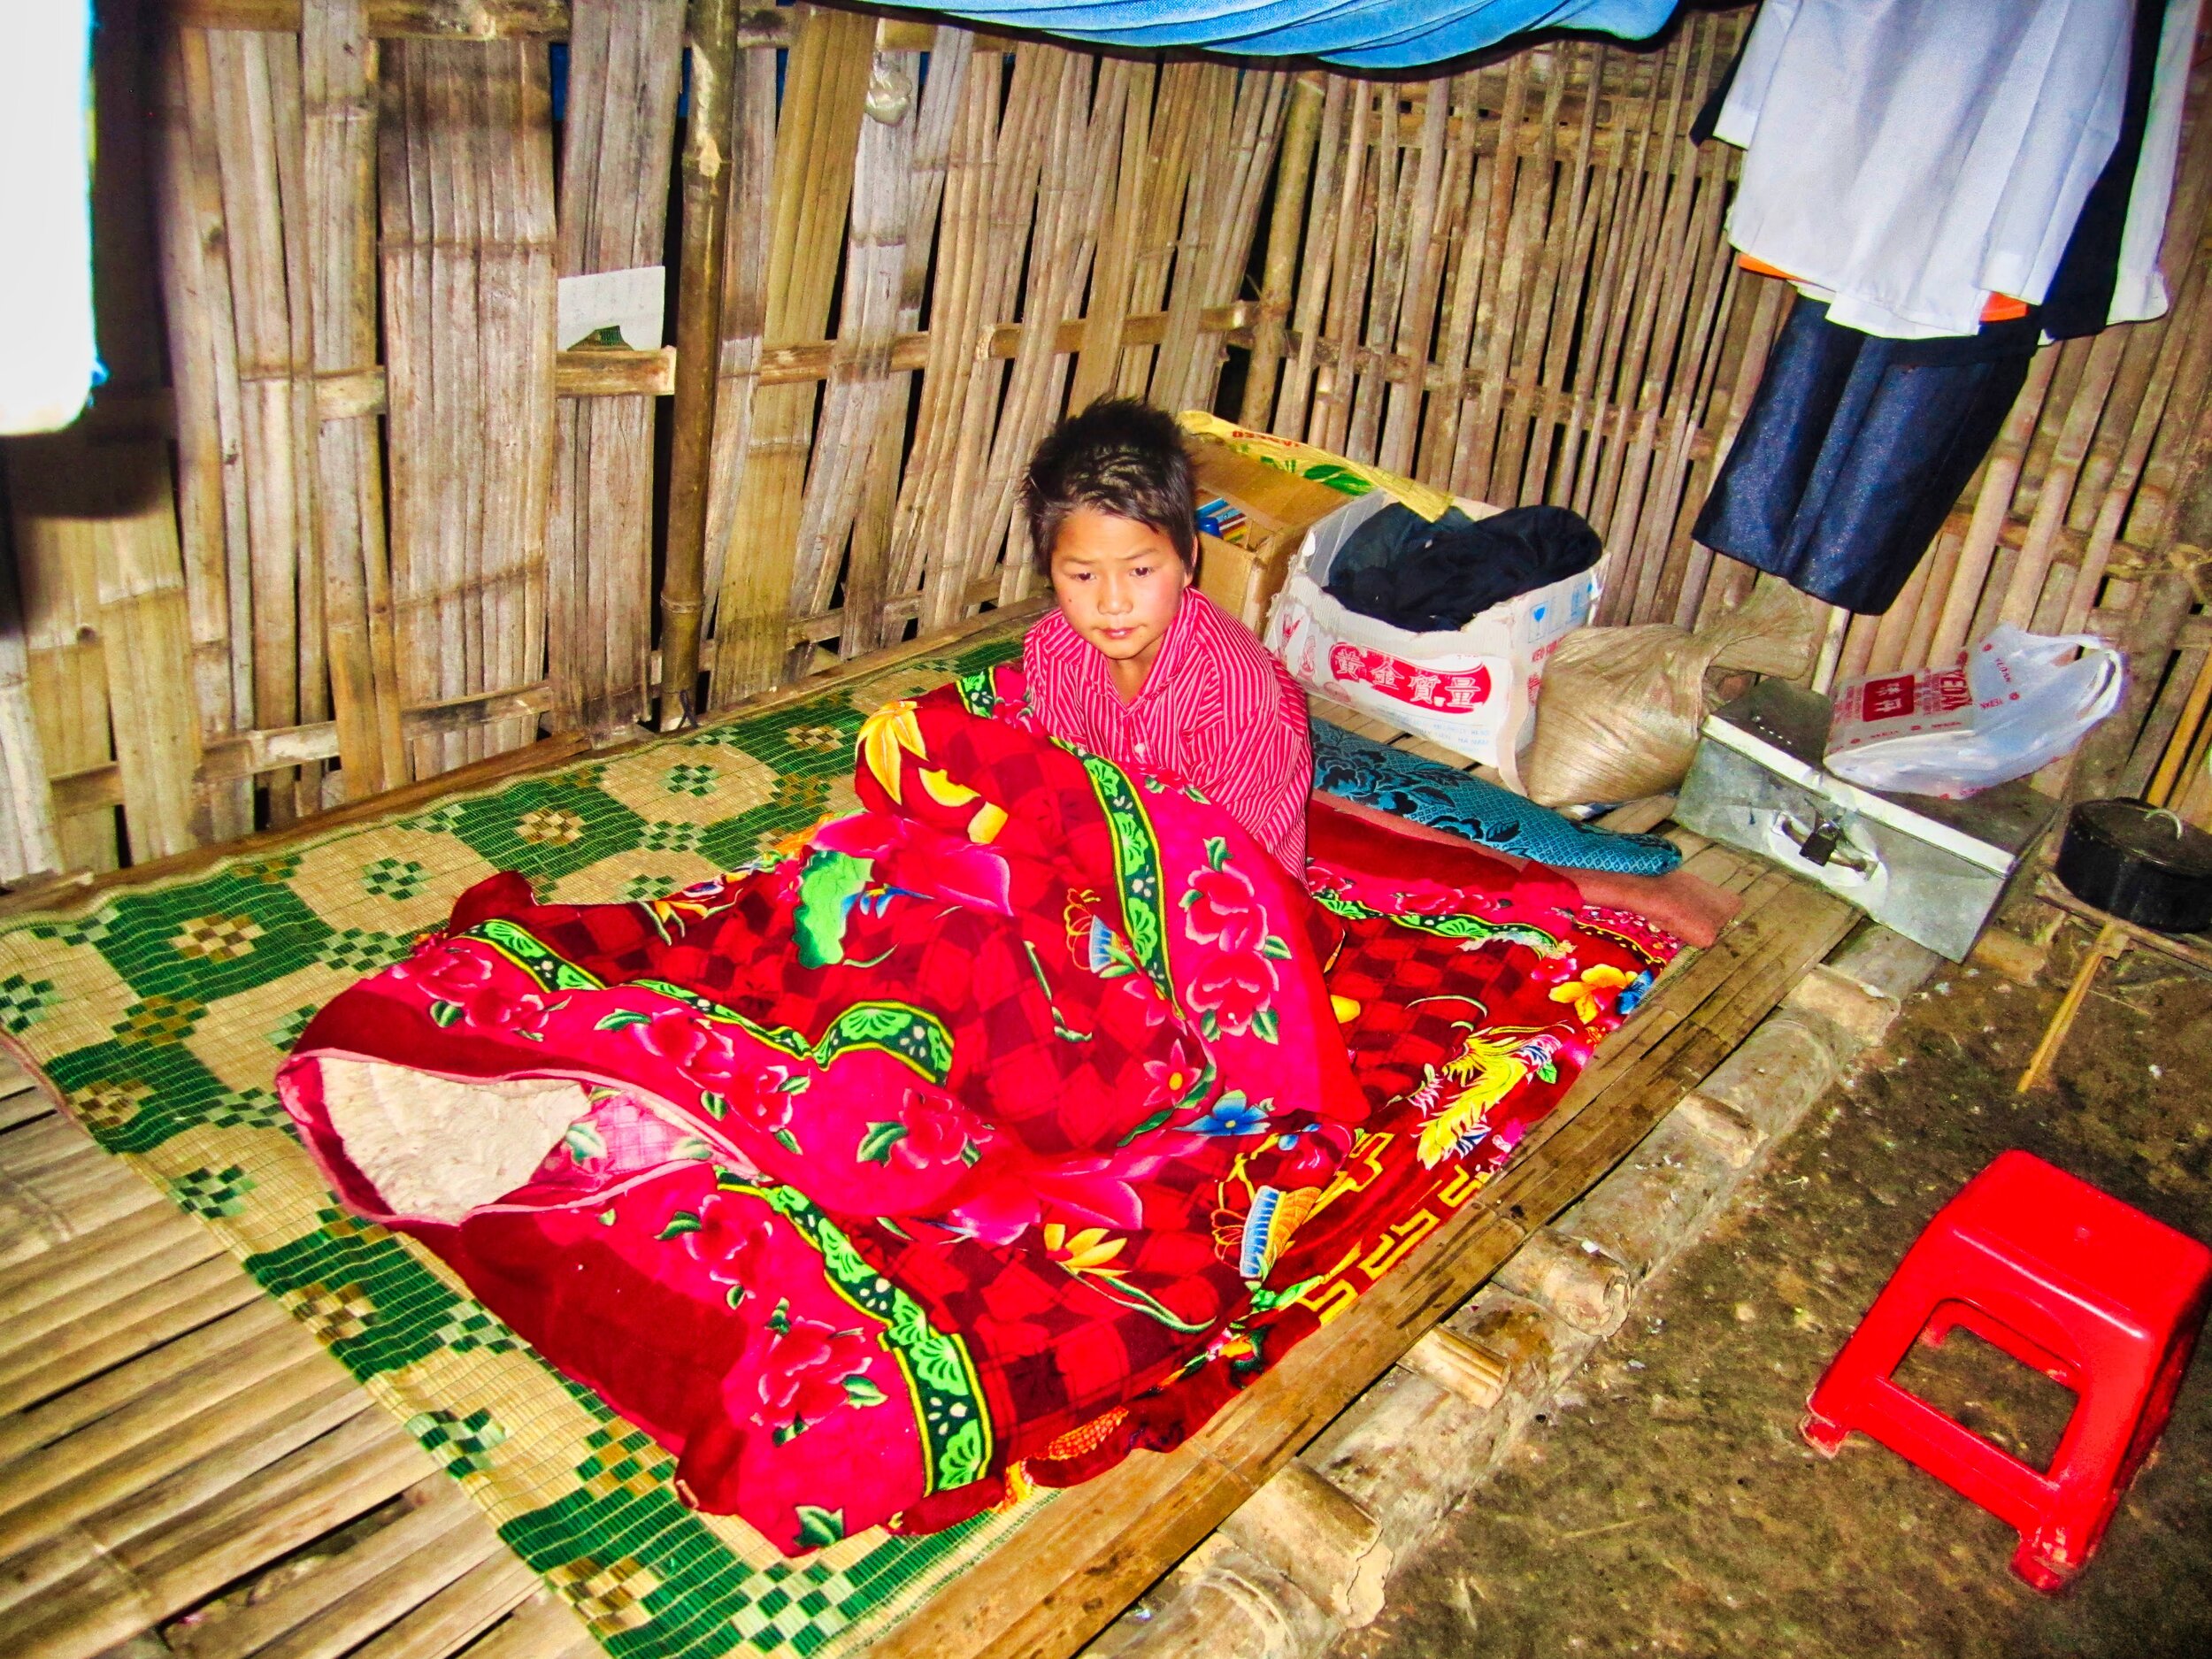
[
  {"x": 962, "y": 529},
  {"x": 1713, "y": 352},
  {"x": 817, "y": 135},
  {"x": 1687, "y": 306},
  {"x": 1331, "y": 415},
  {"x": 1617, "y": 501},
  {"x": 28, "y": 844},
  {"x": 872, "y": 579},
  {"x": 1894, "y": 626},
  {"x": 1384, "y": 240},
  {"x": 626, "y": 59},
  {"x": 744, "y": 203},
  {"x": 1098, "y": 359},
  {"x": 1497, "y": 307},
  {"x": 1238, "y": 121},
  {"x": 1068, "y": 188},
  {"x": 287, "y": 99},
  {"x": 699, "y": 295},
  {"x": 2101, "y": 364},
  {"x": 1466, "y": 173},
  {"x": 2002, "y": 471},
  {"x": 1589, "y": 193},
  {"x": 2185, "y": 336},
  {"x": 1176, "y": 116},
  {"x": 1477, "y": 169},
  {"x": 1314, "y": 274},
  {"x": 859, "y": 385},
  {"x": 203, "y": 379},
  {"x": 1765, "y": 318},
  {"x": 1074, "y": 187},
  {"x": 919, "y": 556},
  {"x": 2190, "y": 330},
  {"x": 1622, "y": 211},
  {"x": 338, "y": 74},
  {"x": 465, "y": 164},
  {"x": 1552, "y": 212},
  {"x": 1302, "y": 131},
  {"x": 1414, "y": 323},
  {"x": 1262, "y": 102},
  {"x": 242, "y": 67}
]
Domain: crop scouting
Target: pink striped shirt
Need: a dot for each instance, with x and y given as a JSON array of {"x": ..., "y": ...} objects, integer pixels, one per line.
[{"x": 1216, "y": 712}]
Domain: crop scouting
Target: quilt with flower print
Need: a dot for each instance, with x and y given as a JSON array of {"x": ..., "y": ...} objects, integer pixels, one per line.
[{"x": 967, "y": 1142}]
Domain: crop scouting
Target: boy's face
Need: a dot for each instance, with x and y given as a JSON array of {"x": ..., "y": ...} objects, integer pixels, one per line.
[{"x": 1118, "y": 583}]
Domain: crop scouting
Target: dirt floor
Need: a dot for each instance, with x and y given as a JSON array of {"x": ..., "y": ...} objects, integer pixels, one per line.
[{"x": 1667, "y": 1505}]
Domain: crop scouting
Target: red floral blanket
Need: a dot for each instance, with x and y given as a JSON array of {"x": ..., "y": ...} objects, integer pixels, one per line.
[{"x": 972, "y": 1140}]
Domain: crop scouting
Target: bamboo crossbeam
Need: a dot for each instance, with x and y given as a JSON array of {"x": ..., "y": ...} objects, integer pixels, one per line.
[
  {"x": 462, "y": 19},
  {"x": 473, "y": 20},
  {"x": 252, "y": 753},
  {"x": 603, "y": 373}
]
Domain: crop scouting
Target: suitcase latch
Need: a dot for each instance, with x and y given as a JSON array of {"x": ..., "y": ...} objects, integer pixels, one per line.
[
  {"x": 1820, "y": 844},
  {"x": 1824, "y": 843}
]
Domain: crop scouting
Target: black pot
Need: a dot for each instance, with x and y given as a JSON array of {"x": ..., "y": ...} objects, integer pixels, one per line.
[{"x": 2139, "y": 864}]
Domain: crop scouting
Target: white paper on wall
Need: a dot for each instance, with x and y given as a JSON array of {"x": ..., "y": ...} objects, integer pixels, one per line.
[{"x": 633, "y": 303}]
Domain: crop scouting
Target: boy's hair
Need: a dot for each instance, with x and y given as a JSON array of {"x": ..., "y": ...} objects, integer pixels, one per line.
[{"x": 1121, "y": 456}]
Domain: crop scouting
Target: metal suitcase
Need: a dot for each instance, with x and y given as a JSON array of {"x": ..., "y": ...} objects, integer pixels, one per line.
[{"x": 1931, "y": 869}]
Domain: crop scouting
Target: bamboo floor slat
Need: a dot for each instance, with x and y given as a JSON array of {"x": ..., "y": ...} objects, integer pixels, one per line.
[
  {"x": 177, "y": 1454},
  {"x": 166, "y": 1431}
]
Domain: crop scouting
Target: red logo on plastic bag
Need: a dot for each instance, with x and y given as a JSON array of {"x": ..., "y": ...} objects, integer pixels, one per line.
[
  {"x": 1886, "y": 698},
  {"x": 1412, "y": 682}
]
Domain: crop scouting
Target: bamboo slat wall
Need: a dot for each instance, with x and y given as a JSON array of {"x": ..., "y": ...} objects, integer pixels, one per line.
[{"x": 356, "y": 522}]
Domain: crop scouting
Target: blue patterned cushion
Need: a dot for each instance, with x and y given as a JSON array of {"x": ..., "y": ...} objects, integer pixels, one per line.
[{"x": 1358, "y": 769}]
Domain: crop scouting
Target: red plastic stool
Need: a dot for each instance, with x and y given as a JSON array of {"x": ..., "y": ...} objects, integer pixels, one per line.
[{"x": 2092, "y": 1292}]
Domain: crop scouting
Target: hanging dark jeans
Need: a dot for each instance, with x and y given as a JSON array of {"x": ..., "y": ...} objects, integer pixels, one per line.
[{"x": 1853, "y": 450}]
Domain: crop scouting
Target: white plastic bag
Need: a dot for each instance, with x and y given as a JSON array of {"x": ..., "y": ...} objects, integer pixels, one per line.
[
  {"x": 2010, "y": 705},
  {"x": 1472, "y": 689}
]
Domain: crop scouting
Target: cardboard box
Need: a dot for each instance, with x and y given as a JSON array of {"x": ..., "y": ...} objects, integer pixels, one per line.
[{"x": 1243, "y": 575}]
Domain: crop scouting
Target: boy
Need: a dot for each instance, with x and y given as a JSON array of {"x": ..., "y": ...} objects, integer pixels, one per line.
[{"x": 1136, "y": 665}]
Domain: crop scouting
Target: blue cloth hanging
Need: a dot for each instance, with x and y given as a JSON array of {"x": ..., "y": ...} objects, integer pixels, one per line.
[
  {"x": 1358, "y": 34},
  {"x": 1853, "y": 450},
  {"x": 1358, "y": 769}
]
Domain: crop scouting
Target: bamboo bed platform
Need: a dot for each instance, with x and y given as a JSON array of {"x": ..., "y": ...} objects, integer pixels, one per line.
[
  {"x": 344, "y": 531},
  {"x": 294, "y": 1477}
]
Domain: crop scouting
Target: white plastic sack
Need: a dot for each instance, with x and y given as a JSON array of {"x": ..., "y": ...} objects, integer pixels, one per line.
[
  {"x": 1472, "y": 689},
  {"x": 2010, "y": 706}
]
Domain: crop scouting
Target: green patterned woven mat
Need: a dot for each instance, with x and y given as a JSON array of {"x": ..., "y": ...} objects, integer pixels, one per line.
[{"x": 162, "y": 1013}]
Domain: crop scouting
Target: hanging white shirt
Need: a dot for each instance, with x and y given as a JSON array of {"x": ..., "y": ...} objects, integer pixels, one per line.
[
  {"x": 2140, "y": 290},
  {"x": 49, "y": 364},
  {"x": 1914, "y": 157}
]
